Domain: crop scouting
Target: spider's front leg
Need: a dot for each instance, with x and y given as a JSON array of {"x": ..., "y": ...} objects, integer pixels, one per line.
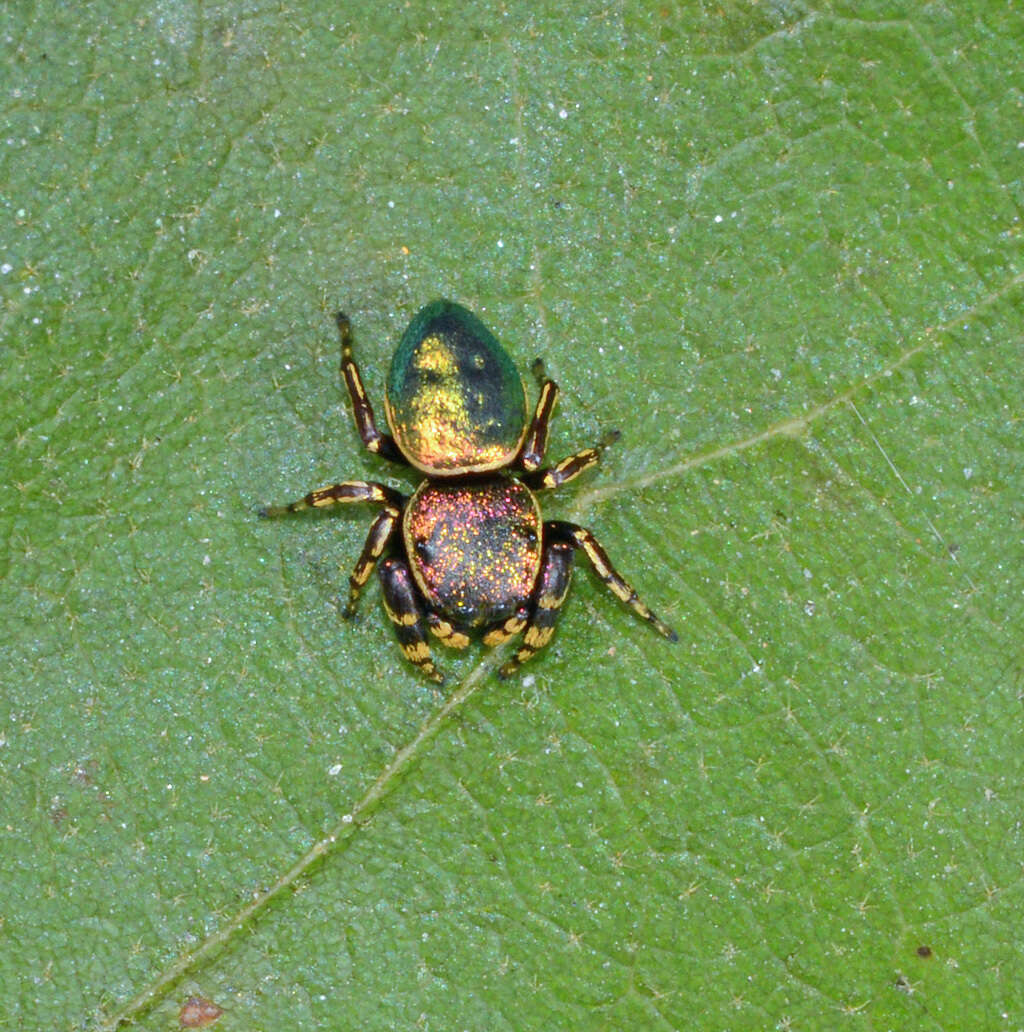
[
  {"x": 570, "y": 468},
  {"x": 531, "y": 455},
  {"x": 362, "y": 411}
]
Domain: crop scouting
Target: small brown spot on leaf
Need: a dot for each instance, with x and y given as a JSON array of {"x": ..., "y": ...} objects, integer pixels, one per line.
[{"x": 198, "y": 1012}]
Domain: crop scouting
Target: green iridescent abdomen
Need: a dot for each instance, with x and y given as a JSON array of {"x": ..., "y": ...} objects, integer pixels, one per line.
[
  {"x": 455, "y": 401},
  {"x": 474, "y": 547}
]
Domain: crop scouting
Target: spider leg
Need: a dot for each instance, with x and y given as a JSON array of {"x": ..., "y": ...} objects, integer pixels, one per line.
[
  {"x": 377, "y": 442},
  {"x": 445, "y": 631},
  {"x": 381, "y": 530},
  {"x": 583, "y": 539},
  {"x": 548, "y": 596},
  {"x": 570, "y": 468},
  {"x": 531, "y": 455},
  {"x": 403, "y": 607},
  {"x": 339, "y": 494},
  {"x": 508, "y": 629}
]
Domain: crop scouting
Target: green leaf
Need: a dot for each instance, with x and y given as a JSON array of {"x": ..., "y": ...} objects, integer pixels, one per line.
[{"x": 779, "y": 247}]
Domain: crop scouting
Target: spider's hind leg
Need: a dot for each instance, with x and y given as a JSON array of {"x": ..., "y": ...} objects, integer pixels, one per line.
[
  {"x": 583, "y": 539},
  {"x": 548, "y": 596},
  {"x": 403, "y": 607}
]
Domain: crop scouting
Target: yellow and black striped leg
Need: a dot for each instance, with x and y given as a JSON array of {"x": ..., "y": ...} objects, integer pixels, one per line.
[
  {"x": 552, "y": 587},
  {"x": 531, "y": 455},
  {"x": 445, "y": 631},
  {"x": 508, "y": 629},
  {"x": 570, "y": 468},
  {"x": 584, "y": 540},
  {"x": 379, "y": 443},
  {"x": 339, "y": 494},
  {"x": 381, "y": 531},
  {"x": 403, "y": 607}
]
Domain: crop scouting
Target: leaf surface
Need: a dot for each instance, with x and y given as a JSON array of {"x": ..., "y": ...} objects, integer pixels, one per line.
[{"x": 779, "y": 247}]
